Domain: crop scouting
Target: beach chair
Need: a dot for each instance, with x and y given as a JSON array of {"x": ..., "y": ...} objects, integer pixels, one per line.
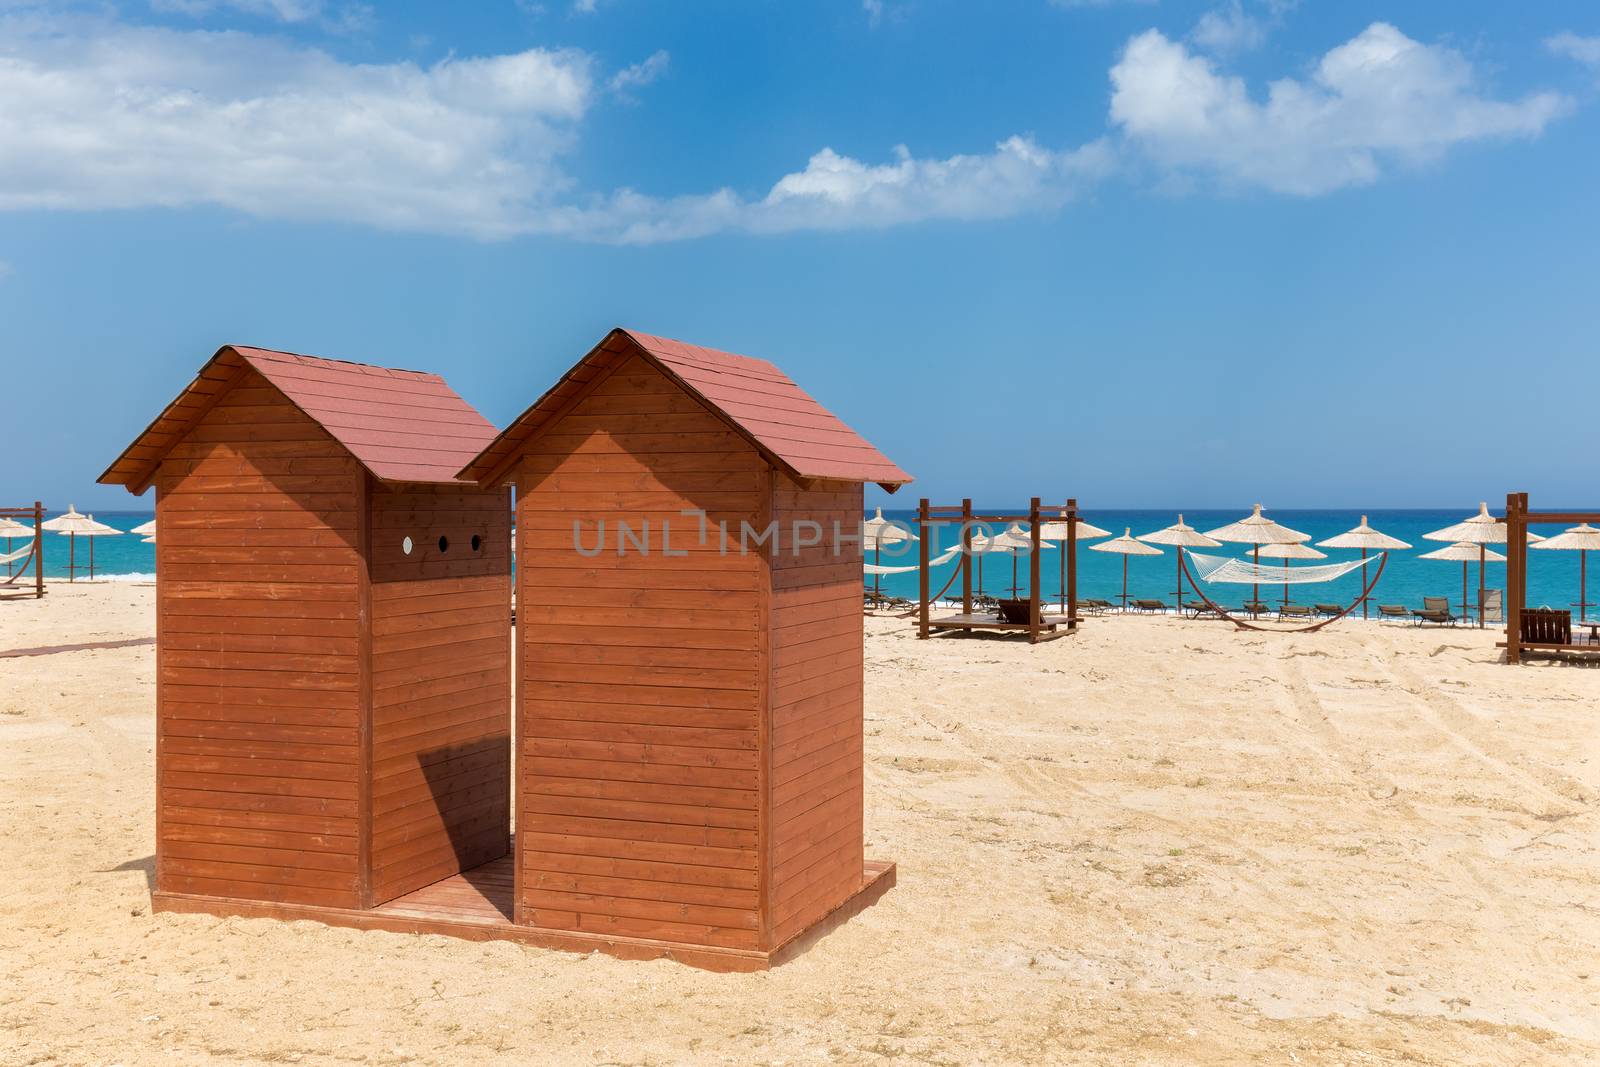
[
  {"x": 1330, "y": 610},
  {"x": 1294, "y": 611},
  {"x": 1394, "y": 611},
  {"x": 1149, "y": 605},
  {"x": 1493, "y": 606},
  {"x": 1094, "y": 605},
  {"x": 1435, "y": 609},
  {"x": 1200, "y": 609},
  {"x": 1255, "y": 607}
]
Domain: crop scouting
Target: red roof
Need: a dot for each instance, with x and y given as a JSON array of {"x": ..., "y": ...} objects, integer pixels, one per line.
[
  {"x": 402, "y": 425},
  {"x": 783, "y": 421}
]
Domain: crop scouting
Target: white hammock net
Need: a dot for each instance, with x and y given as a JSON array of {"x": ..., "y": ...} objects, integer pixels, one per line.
[
  {"x": 13, "y": 556},
  {"x": 1222, "y": 569},
  {"x": 939, "y": 560}
]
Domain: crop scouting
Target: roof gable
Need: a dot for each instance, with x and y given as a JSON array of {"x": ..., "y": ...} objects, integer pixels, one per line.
[
  {"x": 784, "y": 422},
  {"x": 403, "y": 426}
]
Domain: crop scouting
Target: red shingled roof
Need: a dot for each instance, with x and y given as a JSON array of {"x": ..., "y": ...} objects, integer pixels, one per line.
[
  {"x": 757, "y": 399},
  {"x": 402, "y": 425}
]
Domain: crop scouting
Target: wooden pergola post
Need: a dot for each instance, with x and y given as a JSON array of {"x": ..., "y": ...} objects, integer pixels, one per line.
[
  {"x": 1516, "y": 572},
  {"x": 966, "y": 556},
  {"x": 922, "y": 569},
  {"x": 1034, "y": 592},
  {"x": 1072, "y": 563},
  {"x": 38, "y": 549}
]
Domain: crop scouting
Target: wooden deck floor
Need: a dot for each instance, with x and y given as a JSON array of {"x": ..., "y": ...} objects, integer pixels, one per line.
[{"x": 481, "y": 895}]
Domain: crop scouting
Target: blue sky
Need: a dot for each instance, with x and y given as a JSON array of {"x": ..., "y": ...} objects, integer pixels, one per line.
[{"x": 1147, "y": 254}]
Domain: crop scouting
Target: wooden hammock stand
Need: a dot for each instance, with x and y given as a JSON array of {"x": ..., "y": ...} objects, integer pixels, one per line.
[
  {"x": 1524, "y": 632},
  {"x": 1040, "y": 626},
  {"x": 9, "y": 589}
]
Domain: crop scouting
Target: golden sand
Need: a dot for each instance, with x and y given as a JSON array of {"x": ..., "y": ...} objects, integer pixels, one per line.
[{"x": 1157, "y": 842}]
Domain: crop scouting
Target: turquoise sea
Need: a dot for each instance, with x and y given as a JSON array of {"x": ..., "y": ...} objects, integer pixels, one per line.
[{"x": 1553, "y": 576}]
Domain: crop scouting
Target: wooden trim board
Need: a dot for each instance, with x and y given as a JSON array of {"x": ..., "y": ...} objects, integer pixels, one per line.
[{"x": 877, "y": 880}]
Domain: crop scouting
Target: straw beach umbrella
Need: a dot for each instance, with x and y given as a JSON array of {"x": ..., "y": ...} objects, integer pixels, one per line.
[
  {"x": 148, "y": 529},
  {"x": 1256, "y": 529},
  {"x": 1294, "y": 550},
  {"x": 1056, "y": 533},
  {"x": 1466, "y": 553},
  {"x": 875, "y": 532},
  {"x": 10, "y": 528},
  {"x": 1180, "y": 535},
  {"x": 1126, "y": 545},
  {"x": 70, "y": 525},
  {"x": 99, "y": 529},
  {"x": 1481, "y": 529},
  {"x": 1363, "y": 537},
  {"x": 1582, "y": 539},
  {"x": 984, "y": 545}
]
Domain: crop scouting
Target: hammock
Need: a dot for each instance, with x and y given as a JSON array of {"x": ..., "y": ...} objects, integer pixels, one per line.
[
  {"x": 12, "y": 557},
  {"x": 1222, "y": 569},
  {"x": 937, "y": 561}
]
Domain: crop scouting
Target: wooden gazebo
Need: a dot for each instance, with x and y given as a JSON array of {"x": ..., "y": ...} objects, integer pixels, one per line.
[
  {"x": 1538, "y": 631},
  {"x": 333, "y": 637}
]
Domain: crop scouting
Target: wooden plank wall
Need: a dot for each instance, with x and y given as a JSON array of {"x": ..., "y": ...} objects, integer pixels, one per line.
[
  {"x": 258, "y": 672},
  {"x": 639, "y": 682},
  {"x": 816, "y": 708},
  {"x": 441, "y": 683}
]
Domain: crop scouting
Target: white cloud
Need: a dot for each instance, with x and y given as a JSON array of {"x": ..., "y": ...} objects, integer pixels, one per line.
[
  {"x": 125, "y": 117},
  {"x": 836, "y": 192},
  {"x": 1379, "y": 98},
  {"x": 1585, "y": 50},
  {"x": 5, "y": 270},
  {"x": 1229, "y": 29},
  {"x": 343, "y": 17},
  {"x": 640, "y": 74},
  {"x": 585, "y": 7},
  {"x": 874, "y": 10}
]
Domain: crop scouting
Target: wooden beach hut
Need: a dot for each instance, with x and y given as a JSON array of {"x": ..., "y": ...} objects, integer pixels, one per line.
[
  {"x": 689, "y": 703},
  {"x": 333, "y": 637}
]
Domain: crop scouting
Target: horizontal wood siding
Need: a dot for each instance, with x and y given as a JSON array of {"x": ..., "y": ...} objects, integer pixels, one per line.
[
  {"x": 638, "y": 673},
  {"x": 258, "y": 690},
  {"x": 441, "y": 683},
  {"x": 816, "y": 707}
]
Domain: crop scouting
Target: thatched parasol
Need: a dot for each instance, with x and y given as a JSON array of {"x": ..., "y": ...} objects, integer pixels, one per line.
[
  {"x": 1466, "y": 552},
  {"x": 10, "y": 528},
  {"x": 875, "y": 533},
  {"x": 1056, "y": 533},
  {"x": 1126, "y": 545},
  {"x": 1582, "y": 539},
  {"x": 1256, "y": 529},
  {"x": 145, "y": 529},
  {"x": 1364, "y": 537},
  {"x": 1180, "y": 535},
  {"x": 70, "y": 525},
  {"x": 1481, "y": 529}
]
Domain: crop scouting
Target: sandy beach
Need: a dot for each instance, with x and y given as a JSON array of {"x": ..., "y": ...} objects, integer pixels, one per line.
[{"x": 1160, "y": 842}]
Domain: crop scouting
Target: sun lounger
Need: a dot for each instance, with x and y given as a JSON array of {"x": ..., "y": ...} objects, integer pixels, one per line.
[
  {"x": 1094, "y": 605},
  {"x": 1294, "y": 611},
  {"x": 1435, "y": 609},
  {"x": 1149, "y": 605},
  {"x": 1198, "y": 608},
  {"x": 1329, "y": 610},
  {"x": 1394, "y": 611},
  {"x": 1255, "y": 607}
]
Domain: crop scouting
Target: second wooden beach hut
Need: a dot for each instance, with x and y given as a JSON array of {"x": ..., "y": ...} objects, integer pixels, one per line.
[{"x": 689, "y": 704}]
